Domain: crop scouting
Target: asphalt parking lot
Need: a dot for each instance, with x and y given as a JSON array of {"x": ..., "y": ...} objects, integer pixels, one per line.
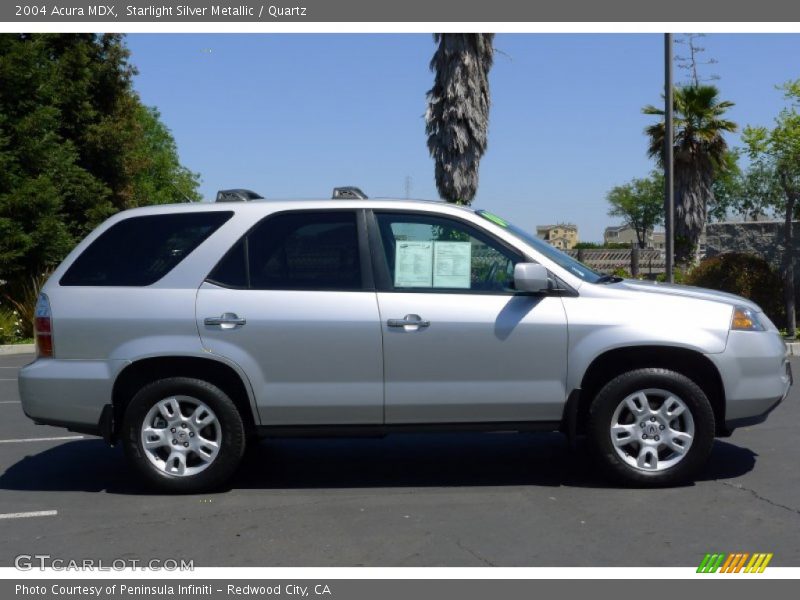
[{"x": 406, "y": 500}]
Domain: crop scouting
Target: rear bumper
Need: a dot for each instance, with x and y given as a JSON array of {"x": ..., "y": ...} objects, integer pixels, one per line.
[
  {"x": 756, "y": 375},
  {"x": 69, "y": 393}
]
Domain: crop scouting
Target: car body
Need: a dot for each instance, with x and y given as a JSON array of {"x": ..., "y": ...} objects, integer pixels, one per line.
[{"x": 309, "y": 319}]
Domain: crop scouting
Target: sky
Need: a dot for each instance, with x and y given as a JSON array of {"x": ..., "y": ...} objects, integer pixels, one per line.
[{"x": 295, "y": 115}]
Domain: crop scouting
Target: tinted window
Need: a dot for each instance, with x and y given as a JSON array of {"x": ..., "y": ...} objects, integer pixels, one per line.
[
  {"x": 305, "y": 251},
  {"x": 141, "y": 250},
  {"x": 231, "y": 271},
  {"x": 432, "y": 253}
]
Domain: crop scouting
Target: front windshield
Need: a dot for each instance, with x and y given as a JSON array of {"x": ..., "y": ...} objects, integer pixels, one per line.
[{"x": 557, "y": 256}]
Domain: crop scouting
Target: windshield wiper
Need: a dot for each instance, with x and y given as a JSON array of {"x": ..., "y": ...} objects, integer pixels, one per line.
[{"x": 609, "y": 279}]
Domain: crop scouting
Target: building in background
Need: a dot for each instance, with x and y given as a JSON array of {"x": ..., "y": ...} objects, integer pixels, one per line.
[
  {"x": 625, "y": 234},
  {"x": 563, "y": 236}
]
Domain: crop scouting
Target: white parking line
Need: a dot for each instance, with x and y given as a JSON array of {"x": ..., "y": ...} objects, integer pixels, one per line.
[
  {"x": 8, "y": 379},
  {"x": 25, "y": 515},
  {"x": 9, "y": 401},
  {"x": 47, "y": 439}
]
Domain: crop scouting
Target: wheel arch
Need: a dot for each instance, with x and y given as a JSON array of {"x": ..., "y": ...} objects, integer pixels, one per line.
[
  {"x": 690, "y": 363},
  {"x": 147, "y": 370}
]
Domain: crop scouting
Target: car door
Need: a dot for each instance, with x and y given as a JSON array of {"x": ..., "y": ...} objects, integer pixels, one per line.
[
  {"x": 459, "y": 344},
  {"x": 294, "y": 305}
]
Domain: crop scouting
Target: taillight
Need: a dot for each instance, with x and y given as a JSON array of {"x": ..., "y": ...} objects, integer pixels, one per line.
[{"x": 43, "y": 328}]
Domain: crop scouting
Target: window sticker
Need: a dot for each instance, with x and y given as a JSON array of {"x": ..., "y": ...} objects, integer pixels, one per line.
[
  {"x": 451, "y": 264},
  {"x": 413, "y": 265}
]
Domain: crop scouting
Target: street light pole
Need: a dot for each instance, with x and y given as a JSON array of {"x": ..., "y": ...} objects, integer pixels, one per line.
[{"x": 669, "y": 184}]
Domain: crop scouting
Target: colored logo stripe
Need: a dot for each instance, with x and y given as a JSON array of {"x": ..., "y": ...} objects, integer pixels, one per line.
[{"x": 735, "y": 562}]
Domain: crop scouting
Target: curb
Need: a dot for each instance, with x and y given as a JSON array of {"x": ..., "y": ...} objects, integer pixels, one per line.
[
  {"x": 25, "y": 349},
  {"x": 793, "y": 348}
]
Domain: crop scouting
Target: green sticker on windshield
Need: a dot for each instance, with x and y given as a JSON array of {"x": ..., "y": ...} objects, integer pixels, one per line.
[{"x": 493, "y": 218}]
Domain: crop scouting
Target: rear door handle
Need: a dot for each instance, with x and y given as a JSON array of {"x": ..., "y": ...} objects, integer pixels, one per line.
[
  {"x": 409, "y": 322},
  {"x": 227, "y": 320}
]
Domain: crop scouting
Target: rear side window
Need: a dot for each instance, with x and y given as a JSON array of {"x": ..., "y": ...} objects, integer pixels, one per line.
[
  {"x": 141, "y": 250},
  {"x": 295, "y": 251}
]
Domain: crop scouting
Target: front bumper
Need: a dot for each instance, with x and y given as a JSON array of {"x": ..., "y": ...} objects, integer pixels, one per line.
[{"x": 756, "y": 375}]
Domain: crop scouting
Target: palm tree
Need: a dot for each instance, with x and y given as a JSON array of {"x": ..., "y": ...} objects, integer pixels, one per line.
[
  {"x": 700, "y": 151},
  {"x": 457, "y": 119}
]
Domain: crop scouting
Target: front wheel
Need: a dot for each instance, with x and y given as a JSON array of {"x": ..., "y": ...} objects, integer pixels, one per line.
[
  {"x": 651, "y": 427},
  {"x": 183, "y": 434}
]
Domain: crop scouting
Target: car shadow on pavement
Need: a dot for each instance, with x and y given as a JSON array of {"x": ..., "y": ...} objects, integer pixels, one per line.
[{"x": 407, "y": 460}]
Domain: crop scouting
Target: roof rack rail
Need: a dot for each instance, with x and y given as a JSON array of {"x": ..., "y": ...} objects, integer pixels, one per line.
[
  {"x": 238, "y": 195},
  {"x": 348, "y": 192}
]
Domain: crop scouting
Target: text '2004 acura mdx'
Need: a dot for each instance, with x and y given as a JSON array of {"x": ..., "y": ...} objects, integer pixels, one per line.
[{"x": 185, "y": 332}]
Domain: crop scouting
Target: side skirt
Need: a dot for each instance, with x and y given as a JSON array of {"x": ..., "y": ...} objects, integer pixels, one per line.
[{"x": 331, "y": 431}]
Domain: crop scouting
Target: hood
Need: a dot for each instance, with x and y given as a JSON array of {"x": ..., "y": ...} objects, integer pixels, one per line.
[{"x": 687, "y": 291}]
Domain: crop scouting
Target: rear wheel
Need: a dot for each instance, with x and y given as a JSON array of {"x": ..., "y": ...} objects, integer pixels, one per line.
[
  {"x": 651, "y": 427},
  {"x": 183, "y": 434}
]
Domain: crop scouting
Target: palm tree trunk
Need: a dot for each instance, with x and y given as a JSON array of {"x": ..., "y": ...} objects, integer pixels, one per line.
[
  {"x": 457, "y": 119},
  {"x": 693, "y": 187}
]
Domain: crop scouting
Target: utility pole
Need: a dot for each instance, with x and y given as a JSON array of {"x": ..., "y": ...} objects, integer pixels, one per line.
[{"x": 669, "y": 185}]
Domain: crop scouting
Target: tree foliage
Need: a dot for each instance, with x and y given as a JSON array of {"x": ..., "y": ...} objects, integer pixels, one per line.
[
  {"x": 457, "y": 119},
  {"x": 640, "y": 203},
  {"x": 776, "y": 152},
  {"x": 76, "y": 145},
  {"x": 751, "y": 193},
  {"x": 700, "y": 152}
]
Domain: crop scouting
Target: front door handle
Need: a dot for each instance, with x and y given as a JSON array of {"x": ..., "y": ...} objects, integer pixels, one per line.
[
  {"x": 227, "y": 320},
  {"x": 409, "y": 322}
]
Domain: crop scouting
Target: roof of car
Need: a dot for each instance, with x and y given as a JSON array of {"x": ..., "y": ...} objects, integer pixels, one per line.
[{"x": 271, "y": 205}]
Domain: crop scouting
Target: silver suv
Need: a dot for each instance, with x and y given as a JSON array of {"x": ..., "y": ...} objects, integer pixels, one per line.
[{"x": 187, "y": 332}]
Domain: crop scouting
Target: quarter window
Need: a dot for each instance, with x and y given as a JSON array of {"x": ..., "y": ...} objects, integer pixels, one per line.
[{"x": 139, "y": 251}]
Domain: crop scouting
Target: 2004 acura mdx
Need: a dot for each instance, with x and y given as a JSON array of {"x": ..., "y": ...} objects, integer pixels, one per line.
[{"x": 184, "y": 332}]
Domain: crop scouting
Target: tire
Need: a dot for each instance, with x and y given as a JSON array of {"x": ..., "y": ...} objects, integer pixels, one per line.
[
  {"x": 661, "y": 443},
  {"x": 183, "y": 417}
]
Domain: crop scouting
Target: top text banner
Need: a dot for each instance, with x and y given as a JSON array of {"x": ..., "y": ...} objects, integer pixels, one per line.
[{"x": 741, "y": 11}]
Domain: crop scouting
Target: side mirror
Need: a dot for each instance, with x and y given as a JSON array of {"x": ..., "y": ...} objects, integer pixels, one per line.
[{"x": 530, "y": 277}]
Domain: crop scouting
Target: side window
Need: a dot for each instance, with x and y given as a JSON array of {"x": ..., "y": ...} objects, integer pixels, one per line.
[
  {"x": 231, "y": 271},
  {"x": 295, "y": 251},
  {"x": 432, "y": 253},
  {"x": 139, "y": 251}
]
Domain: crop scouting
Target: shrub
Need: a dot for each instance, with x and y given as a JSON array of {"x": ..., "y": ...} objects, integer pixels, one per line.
[
  {"x": 621, "y": 272},
  {"x": 22, "y": 298},
  {"x": 10, "y": 326},
  {"x": 744, "y": 275},
  {"x": 677, "y": 277}
]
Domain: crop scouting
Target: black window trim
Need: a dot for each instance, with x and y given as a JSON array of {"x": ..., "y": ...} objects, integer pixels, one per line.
[
  {"x": 383, "y": 276},
  {"x": 365, "y": 259}
]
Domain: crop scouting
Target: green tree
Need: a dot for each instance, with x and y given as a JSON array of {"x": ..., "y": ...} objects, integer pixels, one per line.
[
  {"x": 727, "y": 188},
  {"x": 700, "y": 151},
  {"x": 457, "y": 119},
  {"x": 752, "y": 193},
  {"x": 640, "y": 203},
  {"x": 76, "y": 145},
  {"x": 776, "y": 151},
  {"x": 157, "y": 177}
]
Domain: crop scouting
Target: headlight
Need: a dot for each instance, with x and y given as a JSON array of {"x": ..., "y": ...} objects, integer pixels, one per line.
[{"x": 745, "y": 319}]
